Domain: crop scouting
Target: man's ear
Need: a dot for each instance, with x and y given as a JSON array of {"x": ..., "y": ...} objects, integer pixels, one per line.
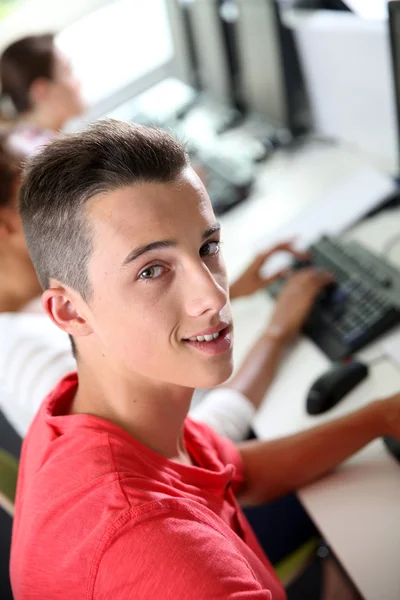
[{"x": 60, "y": 305}]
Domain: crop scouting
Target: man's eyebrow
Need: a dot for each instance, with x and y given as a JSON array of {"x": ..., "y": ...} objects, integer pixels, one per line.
[
  {"x": 147, "y": 248},
  {"x": 143, "y": 249},
  {"x": 216, "y": 228}
]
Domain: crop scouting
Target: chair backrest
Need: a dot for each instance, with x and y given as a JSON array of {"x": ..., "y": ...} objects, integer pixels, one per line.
[{"x": 293, "y": 565}]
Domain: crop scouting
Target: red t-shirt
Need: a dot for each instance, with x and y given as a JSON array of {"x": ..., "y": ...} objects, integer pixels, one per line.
[{"x": 101, "y": 516}]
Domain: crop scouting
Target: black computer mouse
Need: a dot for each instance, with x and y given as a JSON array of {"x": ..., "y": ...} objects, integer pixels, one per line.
[{"x": 333, "y": 385}]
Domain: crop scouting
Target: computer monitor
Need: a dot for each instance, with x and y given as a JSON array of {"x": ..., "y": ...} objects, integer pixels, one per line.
[
  {"x": 394, "y": 27},
  {"x": 347, "y": 67},
  {"x": 269, "y": 73},
  {"x": 210, "y": 52},
  {"x": 21, "y": 18},
  {"x": 185, "y": 51},
  {"x": 122, "y": 49}
]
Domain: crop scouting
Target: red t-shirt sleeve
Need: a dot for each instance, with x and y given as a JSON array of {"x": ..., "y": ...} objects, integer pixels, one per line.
[{"x": 170, "y": 556}]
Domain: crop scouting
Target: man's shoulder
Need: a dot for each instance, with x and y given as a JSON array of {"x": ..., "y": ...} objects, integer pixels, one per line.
[
  {"x": 175, "y": 550},
  {"x": 165, "y": 524}
]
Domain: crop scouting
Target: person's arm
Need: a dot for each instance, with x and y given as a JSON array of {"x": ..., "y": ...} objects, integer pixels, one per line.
[
  {"x": 277, "y": 467},
  {"x": 292, "y": 308},
  {"x": 34, "y": 356},
  {"x": 228, "y": 412}
]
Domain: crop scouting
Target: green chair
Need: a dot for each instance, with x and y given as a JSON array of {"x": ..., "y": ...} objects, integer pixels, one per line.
[
  {"x": 293, "y": 565},
  {"x": 8, "y": 480}
]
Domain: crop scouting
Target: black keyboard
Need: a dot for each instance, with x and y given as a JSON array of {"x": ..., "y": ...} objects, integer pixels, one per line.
[{"x": 362, "y": 304}]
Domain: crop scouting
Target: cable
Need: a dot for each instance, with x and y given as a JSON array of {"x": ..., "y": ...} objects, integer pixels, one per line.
[{"x": 368, "y": 362}]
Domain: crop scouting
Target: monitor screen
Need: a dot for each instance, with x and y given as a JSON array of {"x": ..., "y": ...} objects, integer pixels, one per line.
[
  {"x": 19, "y": 18},
  {"x": 121, "y": 42}
]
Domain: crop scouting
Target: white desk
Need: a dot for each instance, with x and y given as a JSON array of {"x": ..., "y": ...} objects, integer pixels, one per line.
[
  {"x": 288, "y": 183},
  {"x": 357, "y": 508}
]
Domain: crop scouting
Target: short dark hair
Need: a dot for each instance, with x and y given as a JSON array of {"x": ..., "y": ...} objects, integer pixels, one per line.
[
  {"x": 21, "y": 63},
  {"x": 68, "y": 172}
]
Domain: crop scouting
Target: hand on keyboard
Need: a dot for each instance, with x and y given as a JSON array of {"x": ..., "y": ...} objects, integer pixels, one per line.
[
  {"x": 362, "y": 304},
  {"x": 295, "y": 302},
  {"x": 252, "y": 278}
]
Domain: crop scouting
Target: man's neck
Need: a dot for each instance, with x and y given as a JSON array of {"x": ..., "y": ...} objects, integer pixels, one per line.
[{"x": 152, "y": 413}]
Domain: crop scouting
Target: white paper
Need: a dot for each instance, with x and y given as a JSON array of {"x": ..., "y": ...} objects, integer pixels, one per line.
[{"x": 346, "y": 204}]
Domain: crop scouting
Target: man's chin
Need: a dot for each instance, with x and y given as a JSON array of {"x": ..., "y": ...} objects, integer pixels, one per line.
[{"x": 214, "y": 377}]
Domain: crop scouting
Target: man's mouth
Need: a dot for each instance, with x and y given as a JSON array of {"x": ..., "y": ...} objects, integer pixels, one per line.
[
  {"x": 204, "y": 338},
  {"x": 212, "y": 342}
]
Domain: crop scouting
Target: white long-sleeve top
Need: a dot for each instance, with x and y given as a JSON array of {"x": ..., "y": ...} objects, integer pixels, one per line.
[{"x": 35, "y": 355}]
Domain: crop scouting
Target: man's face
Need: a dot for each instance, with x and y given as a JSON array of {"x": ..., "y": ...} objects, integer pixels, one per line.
[{"x": 158, "y": 279}]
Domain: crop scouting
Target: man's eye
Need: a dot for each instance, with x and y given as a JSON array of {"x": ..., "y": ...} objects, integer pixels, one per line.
[
  {"x": 210, "y": 249},
  {"x": 151, "y": 272}
]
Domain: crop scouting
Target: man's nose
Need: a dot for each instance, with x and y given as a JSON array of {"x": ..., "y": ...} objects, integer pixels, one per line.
[{"x": 203, "y": 293}]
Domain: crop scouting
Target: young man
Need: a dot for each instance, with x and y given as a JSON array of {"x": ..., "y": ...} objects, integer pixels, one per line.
[
  {"x": 120, "y": 494},
  {"x": 25, "y": 330}
]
